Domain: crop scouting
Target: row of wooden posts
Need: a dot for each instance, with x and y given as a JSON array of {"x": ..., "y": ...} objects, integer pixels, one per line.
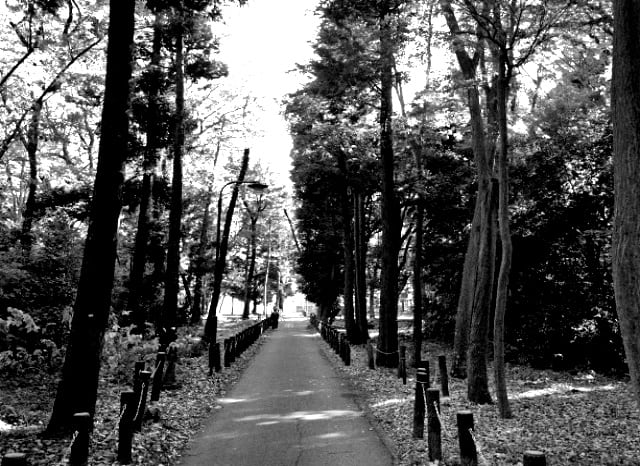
[
  {"x": 133, "y": 403},
  {"x": 426, "y": 402}
]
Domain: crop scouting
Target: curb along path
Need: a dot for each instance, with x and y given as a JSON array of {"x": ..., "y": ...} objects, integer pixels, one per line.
[{"x": 289, "y": 408}]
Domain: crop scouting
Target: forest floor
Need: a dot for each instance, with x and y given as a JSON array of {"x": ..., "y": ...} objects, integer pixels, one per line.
[{"x": 575, "y": 419}]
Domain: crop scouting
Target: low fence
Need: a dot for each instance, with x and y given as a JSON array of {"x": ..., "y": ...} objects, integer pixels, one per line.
[
  {"x": 133, "y": 403},
  {"x": 426, "y": 406}
]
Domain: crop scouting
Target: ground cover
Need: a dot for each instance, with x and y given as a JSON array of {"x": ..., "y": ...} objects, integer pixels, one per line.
[
  {"x": 27, "y": 401},
  {"x": 575, "y": 419}
]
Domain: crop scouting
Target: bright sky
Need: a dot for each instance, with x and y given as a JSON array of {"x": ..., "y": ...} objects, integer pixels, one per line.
[{"x": 263, "y": 42}]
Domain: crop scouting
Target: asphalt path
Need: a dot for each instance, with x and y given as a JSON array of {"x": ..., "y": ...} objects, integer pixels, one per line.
[{"x": 289, "y": 408}]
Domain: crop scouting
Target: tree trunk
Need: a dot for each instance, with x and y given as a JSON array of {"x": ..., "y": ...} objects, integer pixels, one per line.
[
  {"x": 502, "y": 288},
  {"x": 478, "y": 383},
  {"x": 139, "y": 261},
  {"x": 31, "y": 144},
  {"x": 251, "y": 266},
  {"x": 196, "y": 308},
  {"x": 78, "y": 387},
  {"x": 360, "y": 270},
  {"x": 417, "y": 268},
  {"x": 388, "y": 338},
  {"x": 347, "y": 250},
  {"x": 625, "y": 100},
  {"x": 172, "y": 275}
]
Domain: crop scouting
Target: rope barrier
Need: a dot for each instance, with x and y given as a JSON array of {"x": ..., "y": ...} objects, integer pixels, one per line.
[
  {"x": 155, "y": 370},
  {"x": 67, "y": 450},
  {"x": 481, "y": 458},
  {"x": 141, "y": 396},
  {"x": 388, "y": 354},
  {"x": 442, "y": 426},
  {"x": 114, "y": 430}
]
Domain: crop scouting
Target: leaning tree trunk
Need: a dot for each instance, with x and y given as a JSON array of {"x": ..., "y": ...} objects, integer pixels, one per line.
[
  {"x": 625, "y": 100},
  {"x": 199, "y": 269},
  {"x": 172, "y": 276},
  {"x": 387, "y": 355},
  {"x": 78, "y": 387},
  {"x": 139, "y": 260}
]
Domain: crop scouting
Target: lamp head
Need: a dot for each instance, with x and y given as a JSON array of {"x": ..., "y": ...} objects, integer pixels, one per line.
[{"x": 257, "y": 186}]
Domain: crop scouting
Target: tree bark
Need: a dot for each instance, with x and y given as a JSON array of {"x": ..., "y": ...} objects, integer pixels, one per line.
[
  {"x": 502, "y": 288},
  {"x": 251, "y": 266},
  {"x": 31, "y": 144},
  {"x": 139, "y": 260},
  {"x": 388, "y": 338},
  {"x": 196, "y": 308},
  {"x": 172, "y": 275},
  {"x": 625, "y": 102},
  {"x": 78, "y": 387},
  {"x": 417, "y": 266},
  {"x": 360, "y": 269}
]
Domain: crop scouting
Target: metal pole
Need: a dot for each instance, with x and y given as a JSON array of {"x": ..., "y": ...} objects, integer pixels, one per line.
[{"x": 266, "y": 274}]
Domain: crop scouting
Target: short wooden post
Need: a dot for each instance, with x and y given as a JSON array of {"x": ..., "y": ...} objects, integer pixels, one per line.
[
  {"x": 157, "y": 376},
  {"x": 434, "y": 438},
  {"x": 125, "y": 426},
  {"x": 402, "y": 364},
  {"x": 169, "y": 379},
  {"x": 79, "y": 455},
  {"x": 216, "y": 357},
  {"x": 142, "y": 400},
  {"x": 444, "y": 375},
  {"x": 14, "y": 459},
  {"x": 372, "y": 364},
  {"x": 347, "y": 353},
  {"x": 424, "y": 365},
  {"x": 468, "y": 451},
  {"x": 418, "y": 404},
  {"x": 534, "y": 458},
  {"x": 227, "y": 352}
]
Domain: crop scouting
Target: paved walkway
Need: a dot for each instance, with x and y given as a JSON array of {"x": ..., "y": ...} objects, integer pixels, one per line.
[{"x": 289, "y": 408}]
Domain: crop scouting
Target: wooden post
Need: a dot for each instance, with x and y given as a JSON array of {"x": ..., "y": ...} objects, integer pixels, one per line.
[
  {"x": 169, "y": 379},
  {"x": 424, "y": 365},
  {"x": 534, "y": 458},
  {"x": 142, "y": 401},
  {"x": 14, "y": 459},
  {"x": 216, "y": 357},
  {"x": 403, "y": 359},
  {"x": 125, "y": 426},
  {"x": 79, "y": 455},
  {"x": 444, "y": 375},
  {"x": 347, "y": 353},
  {"x": 372, "y": 364},
  {"x": 418, "y": 405},
  {"x": 434, "y": 438},
  {"x": 227, "y": 352},
  {"x": 468, "y": 451},
  {"x": 157, "y": 376}
]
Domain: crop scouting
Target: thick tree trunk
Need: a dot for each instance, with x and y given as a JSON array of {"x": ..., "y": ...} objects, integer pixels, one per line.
[
  {"x": 417, "y": 267},
  {"x": 198, "y": 292},
  {"x": 625, "y": 99},
  {"x": 139, "y": 260},
  {"x": 502, "y": 288},
  {"x": 78, "y": 388},
  {"x": 388, "y": 339},
  {"x": 31, "y": 144},
  {"x": 172, "y": 275}
]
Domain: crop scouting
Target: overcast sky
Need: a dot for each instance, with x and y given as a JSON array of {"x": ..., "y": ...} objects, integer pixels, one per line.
[{"x": 261, "y": 43}]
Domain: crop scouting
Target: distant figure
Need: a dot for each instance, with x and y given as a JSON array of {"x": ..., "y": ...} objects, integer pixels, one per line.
[{"x": 275, "y": 315}]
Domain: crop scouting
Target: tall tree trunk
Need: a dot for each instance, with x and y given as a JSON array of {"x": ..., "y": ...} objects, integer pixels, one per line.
[
  {"x": 251, "y": 266},
  {"x": 502, "y": 288},
  {"x": 360, "y": 269},
  {"x": 78, "y": 387},
  {"x": 139, "y": 261},
  {"x": 625, "y": 100},
  {"x": 31, "y": 144},
  {"x": 211, "y": 326},
  {"x": 387, "y": 355},
  {"x": 417, "y": 265},
  {"x": 172, "y": 275},
  {"x": 347, "y": 251}
]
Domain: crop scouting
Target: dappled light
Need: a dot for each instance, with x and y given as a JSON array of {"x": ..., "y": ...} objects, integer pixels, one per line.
[{"x": 562, "y": 389}]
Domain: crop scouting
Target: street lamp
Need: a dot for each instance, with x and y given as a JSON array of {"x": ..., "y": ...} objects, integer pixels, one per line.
[{"x": 254, "y": 185}]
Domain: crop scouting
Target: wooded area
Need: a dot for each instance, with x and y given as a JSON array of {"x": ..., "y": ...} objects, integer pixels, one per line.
[{"x": 472, "y": 163}]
